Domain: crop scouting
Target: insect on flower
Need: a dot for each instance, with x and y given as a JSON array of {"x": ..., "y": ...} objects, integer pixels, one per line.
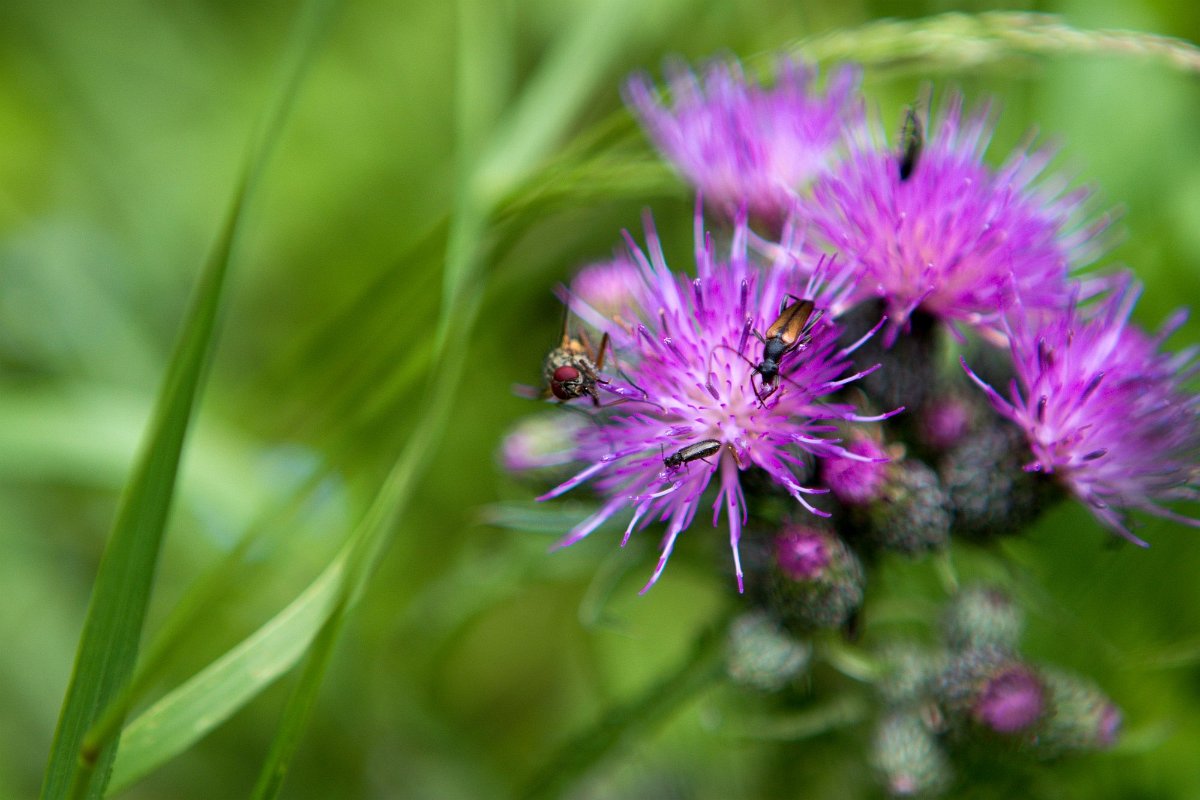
[
  {"x": 697, "y": 451},
  {"x": 704, "y": 398},
  {"x": 936, "y": 228},
  {"x": 791, "y": 331},
  {"x": 912, "y": 139},
  {"x": 573, "y": 368}
]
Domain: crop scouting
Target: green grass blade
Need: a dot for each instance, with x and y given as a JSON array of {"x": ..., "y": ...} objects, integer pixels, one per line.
[
  {"x": 109, "y": 642},
  {"x": 465, "y": 251},
  {"x": 172, "y": 724},
  {"x": 196, "y": 707},
  {"x": 82, "y": 754},
  {"x": 540, "y": 116},
  {"x": 556, "y": 93},
  {"x": 299, "y": 707}
]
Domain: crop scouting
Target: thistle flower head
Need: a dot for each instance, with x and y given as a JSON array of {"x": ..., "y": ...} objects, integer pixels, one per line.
[
  {"x": 1104, "y": 409},
  {"x": 804, "y": 554},
  {"x": 688, "y": 346},
  {"x": 763, "y": 656},
  {"x": 982, "y": 617},
  {"x": 816, "y": 581},
  {"x": 607, "y": 286},
  {"x": 741, "y": 144},
  {"x": 947, "y": 238},
  {"x": 909, "y": 758}
]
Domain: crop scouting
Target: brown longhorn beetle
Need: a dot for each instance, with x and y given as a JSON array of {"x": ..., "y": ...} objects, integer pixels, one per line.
[{"x": 792, "y": 330}]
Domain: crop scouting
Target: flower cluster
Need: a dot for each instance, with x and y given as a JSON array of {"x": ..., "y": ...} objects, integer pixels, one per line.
[
  {"x": 976, "y": 687},
  {"x": 753, "y": 383},
  {"x": 740, "y": 368}
]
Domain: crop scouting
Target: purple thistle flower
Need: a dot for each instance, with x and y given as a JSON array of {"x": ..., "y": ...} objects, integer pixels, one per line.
[
  {"x": 947, "y": 238},
  {"x": 1103, "y": 409},
  {"x": 688, "y": 344},
  {"x": 607, "y": 286},
  {"x": 741, "y": 144}
]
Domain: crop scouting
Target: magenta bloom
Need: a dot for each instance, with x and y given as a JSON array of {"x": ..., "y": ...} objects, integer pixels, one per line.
[
  {"x": 741, "y": 144},
  {"x": 607, "y": 286},
  {"x": 947, "y": 239},
  {"x": 1108, "y": 728},
  {"x": 857, "y": 481},
  {"x": 803, "y": 553},
  {"x": 688, "y": 344},
  {"x": 1011, "y": 701},
  {"x": 1103, "y": 409}
]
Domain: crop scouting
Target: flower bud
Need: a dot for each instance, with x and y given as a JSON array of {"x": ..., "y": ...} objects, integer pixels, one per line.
[
  {"x": 761, "y": 655},
  {"x": 607, "y": 286},
  {"x": 908, "y": 673},
  {"x": 990, "y": 492},
  {"x": 1011, "y": 701},
  {"x": 1083, "y": 717},
  {"x": 816, "y": 581},
  {"x": 852, "y": 481},
  {"x": 541, "y": 447},
  {"x": 989, "y": 688},
  {"x": 909, "y": 758},
  {"x": 982, "y": 617},
  {"x": 911, "y": 514},
  {"x": 946, "y": 421}
]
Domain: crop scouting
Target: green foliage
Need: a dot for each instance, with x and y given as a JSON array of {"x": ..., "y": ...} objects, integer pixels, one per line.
[{"x": 338, "y": 504}]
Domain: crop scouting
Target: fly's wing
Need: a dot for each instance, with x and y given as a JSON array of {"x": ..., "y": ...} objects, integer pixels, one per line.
[
  {"x": 566, "y": 318},
  {"x": 530, "y": 392}
]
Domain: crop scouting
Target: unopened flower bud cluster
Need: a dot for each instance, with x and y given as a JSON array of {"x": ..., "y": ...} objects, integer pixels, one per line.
[{"x": 975, "y": 691}]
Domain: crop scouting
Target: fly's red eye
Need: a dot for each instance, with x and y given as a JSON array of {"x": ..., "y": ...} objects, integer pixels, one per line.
[{"x": 566, "y": 374}]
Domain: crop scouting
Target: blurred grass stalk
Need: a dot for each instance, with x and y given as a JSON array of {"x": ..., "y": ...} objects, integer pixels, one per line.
[
  {"x": 955, "y": 41},
  {"x": 489, "y": 169},
  {"x": 98, "y": 695}
]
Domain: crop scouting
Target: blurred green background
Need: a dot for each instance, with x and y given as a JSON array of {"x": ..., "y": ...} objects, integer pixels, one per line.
[{"x": 474, "y": 655}]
